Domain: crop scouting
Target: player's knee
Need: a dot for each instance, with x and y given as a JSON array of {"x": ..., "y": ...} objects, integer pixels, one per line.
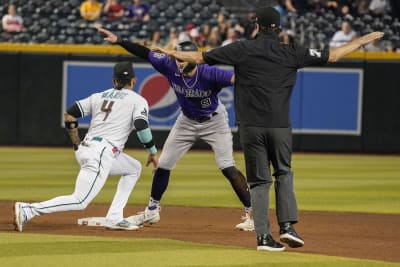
[
  {"x": 81, "y": 204},
  {"x": 136, "y": 169},
  {"x": 226, "y": 164}
]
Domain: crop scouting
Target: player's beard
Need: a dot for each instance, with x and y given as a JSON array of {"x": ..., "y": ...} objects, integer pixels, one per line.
[{"x": 186, "y": 68}]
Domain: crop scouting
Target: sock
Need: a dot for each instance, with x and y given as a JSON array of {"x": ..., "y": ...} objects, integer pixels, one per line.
[
  {"x": 239, "y": 185},
  {"x": 159, "y": 185},
  {"x": 248, "y": 210},
  {"x": 153, "y": 204}
]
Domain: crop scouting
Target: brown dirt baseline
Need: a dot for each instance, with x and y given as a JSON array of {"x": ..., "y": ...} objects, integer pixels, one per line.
[{"x": 355, "y": 235}]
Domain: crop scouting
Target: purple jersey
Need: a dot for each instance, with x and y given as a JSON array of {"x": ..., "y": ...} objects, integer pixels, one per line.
[{"x": 197, "y": 95}]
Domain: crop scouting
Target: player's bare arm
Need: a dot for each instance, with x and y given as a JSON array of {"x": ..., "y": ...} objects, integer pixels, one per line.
[
  {"x": 71, "y": 124},
  {"x": 338, "y": 52},
  {"x": 186, "y": 56}
]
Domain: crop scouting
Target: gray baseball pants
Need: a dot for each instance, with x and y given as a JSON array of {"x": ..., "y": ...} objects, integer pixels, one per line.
[
  {"x": 185, "y": 132},
  {"x": 263, "y": 147}
]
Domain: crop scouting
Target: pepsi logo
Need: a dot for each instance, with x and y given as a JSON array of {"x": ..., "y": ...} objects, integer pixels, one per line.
[{"x": 162, "y": 100}]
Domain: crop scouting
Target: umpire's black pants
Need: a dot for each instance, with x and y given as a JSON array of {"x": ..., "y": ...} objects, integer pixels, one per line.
[{"x": 262, "y": 147}]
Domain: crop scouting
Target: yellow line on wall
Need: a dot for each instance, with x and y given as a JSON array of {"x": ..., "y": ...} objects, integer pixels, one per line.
[
  {"x": 63, "y": 48},
  {"x": 117, "y": 50}
]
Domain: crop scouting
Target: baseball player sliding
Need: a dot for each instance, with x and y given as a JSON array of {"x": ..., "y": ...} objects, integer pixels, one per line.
[
  {"x": 202, "y": 116},
  {"x": 115, "y": 113}
]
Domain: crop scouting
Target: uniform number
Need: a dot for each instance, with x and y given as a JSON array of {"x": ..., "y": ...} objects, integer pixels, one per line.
[{"x": 107, "y": 108}]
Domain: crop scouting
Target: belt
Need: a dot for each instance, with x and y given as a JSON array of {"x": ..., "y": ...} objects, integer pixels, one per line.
[{"x": 203, "y": 119}]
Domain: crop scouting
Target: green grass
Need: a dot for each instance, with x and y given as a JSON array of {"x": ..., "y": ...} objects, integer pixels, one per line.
[
  {"x": 51, "y": 250},
  {"x": 368, "y": 184},
  {"x": 324, "y": 182}
]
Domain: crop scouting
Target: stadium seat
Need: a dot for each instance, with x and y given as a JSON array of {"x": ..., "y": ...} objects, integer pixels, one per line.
[
  {"x": 97, "y": 39},
  {"x": 179, "y": 6},
  {"x": 53, "y": 30},
  {"x": 367, "y": 29},
  {"x": 187, "y": 13},
  {"x": 377, "y": 25},
  {"x": 154, "y": 13},
  {"x": 134, "y": 26},
  {"x": 170, "y": 13},
  {"x": 161, "y": 5},
  {"x": 80, "y": 39},
  {"x": 214, "y": 8},
  {"x": 52, "y": 40},
  {"x": 143, "y": 34},
  {"x": 162, "y": 20},
  {"x": 205, "y": 2},
  {"x": 44, "y": 22},
  {"x": 152, "y": 25},
  {"x": 197, "y": 7},
  {"x": 71, "y": 31},
  {"x": 152, "y": 2},
  {"x": 205, "y": 14}
]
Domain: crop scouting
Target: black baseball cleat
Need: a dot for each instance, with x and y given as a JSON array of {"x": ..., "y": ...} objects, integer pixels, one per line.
[
  {"x": 266, "y": 242},
  {"x": 289, "y": 236}
]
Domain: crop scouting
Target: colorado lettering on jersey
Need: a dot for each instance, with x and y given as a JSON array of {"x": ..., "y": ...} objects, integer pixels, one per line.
[
  {"x": 191, "y": 92},
  {"x": 159, "y": 55},
  {"x": 114, "y": 95}
]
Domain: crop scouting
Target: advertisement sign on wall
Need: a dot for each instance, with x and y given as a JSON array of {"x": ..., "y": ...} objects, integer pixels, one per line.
[{"x": 324, "y": 100}]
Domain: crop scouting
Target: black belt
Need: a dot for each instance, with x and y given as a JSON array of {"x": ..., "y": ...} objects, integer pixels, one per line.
[{"x": 203, "y": 119}]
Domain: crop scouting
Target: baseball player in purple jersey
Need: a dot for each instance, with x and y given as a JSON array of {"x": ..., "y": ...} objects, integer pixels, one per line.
[
  {"x": 203, "y": 116},
  {"x": 115, "y": 113}
]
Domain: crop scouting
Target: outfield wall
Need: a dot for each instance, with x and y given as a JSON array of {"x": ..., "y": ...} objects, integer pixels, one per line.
[{"x": 32, "y": 89}]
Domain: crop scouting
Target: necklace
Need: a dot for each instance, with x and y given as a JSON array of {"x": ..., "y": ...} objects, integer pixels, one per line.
[{"x": 195, "y": 81}]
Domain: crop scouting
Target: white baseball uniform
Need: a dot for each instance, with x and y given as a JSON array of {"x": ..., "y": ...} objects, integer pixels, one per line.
[{"x": 100, "y": 153}]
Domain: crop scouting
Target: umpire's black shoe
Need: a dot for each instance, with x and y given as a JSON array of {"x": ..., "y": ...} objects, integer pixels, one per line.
[
  {"x": 289, "y": 236},
  {"x": 266, "y": 242}
]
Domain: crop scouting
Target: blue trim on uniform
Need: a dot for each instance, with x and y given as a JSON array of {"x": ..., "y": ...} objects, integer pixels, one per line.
[{"x": 95, "y": 179}]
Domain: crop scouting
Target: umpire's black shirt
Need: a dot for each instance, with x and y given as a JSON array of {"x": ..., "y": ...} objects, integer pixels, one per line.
[{"x": 265, "y": 74}]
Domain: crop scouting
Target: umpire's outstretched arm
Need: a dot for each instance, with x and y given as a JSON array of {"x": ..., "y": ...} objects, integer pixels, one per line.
[
  {"x": 338, "y": 52},
  {"x": 334, "y": 53}
]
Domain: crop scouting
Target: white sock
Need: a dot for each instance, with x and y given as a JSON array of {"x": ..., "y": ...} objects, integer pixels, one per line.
[{"x": 153, "y": 204}]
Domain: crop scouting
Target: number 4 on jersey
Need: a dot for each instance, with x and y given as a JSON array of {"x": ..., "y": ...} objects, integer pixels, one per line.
[{"x": 107, "y": 107}]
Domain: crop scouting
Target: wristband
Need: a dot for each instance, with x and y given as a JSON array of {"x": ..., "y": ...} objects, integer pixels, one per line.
[
  {"x": 152, "y": 150},
  {"x": 71, "y": 125}
]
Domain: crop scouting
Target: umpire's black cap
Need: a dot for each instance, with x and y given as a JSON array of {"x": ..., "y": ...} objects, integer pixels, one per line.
[
  {"x": 268, "y": 17},
  {"x": 124, "y": 70}
]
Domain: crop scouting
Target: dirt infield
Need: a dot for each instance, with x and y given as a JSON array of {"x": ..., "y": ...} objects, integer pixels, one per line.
[{"x": 366, "y": 236}]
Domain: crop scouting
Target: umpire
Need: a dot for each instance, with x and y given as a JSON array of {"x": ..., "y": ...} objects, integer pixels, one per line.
[{"x": 265, "y": 72}]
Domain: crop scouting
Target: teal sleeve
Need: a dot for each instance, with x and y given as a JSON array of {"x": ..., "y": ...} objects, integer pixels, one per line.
[{"x": 146, "y": 138}]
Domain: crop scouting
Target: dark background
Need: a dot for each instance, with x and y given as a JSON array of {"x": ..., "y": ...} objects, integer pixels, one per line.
[{"x": 31, "y": 88}]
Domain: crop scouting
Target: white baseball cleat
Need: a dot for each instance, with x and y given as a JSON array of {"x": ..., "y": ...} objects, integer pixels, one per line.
[
  {"x": 247, "y": 224},
  {"x": 147, "y": 216},
  {"x": 122, "y": 225},
  {"x": 20, "y": 217}
]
